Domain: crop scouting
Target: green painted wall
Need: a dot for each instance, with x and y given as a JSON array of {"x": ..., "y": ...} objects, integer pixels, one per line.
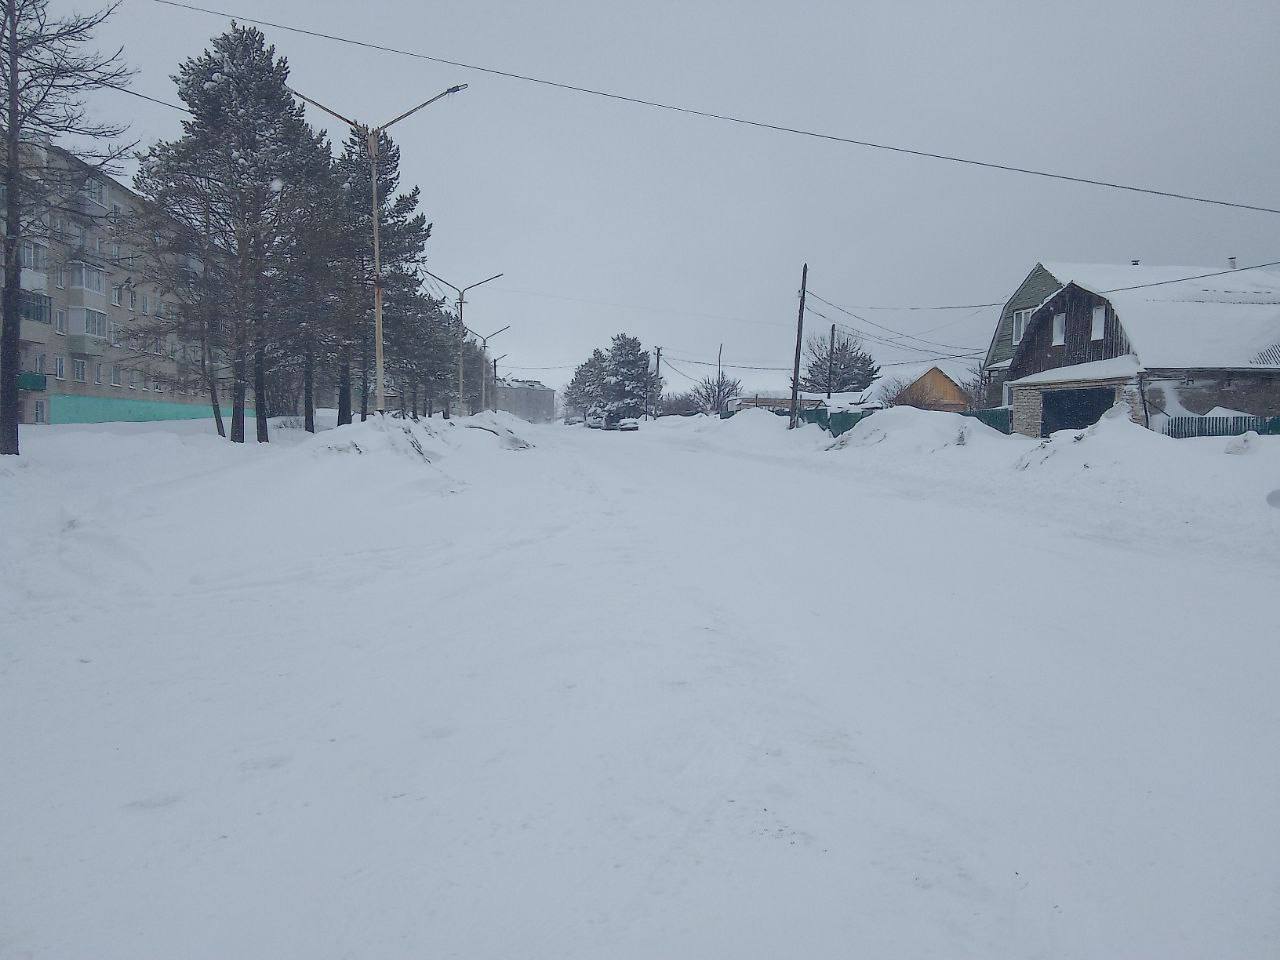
[{"x": 64, "y": 408}]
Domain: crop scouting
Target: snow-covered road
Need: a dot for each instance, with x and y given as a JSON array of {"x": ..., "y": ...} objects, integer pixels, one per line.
[{"x": 707, "y": 690}]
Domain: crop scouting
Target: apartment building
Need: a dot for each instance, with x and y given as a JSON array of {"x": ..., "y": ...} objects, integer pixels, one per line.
[{"x": 88, "y": 342}]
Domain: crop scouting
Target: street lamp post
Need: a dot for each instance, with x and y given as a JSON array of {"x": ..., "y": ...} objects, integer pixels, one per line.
[
  {"x": 484, "y": 348},
  {"x": 371, "y": 139},
  {"x": 462, "y": 332}
]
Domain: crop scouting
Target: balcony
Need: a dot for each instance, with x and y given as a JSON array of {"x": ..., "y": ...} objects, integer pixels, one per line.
[
  {"x": 30, "y": 380},
  {"x": 81, "y": 344}
]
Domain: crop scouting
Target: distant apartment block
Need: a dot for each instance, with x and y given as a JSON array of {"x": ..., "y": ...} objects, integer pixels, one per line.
[
  {"x": 526, "y": 399},
  {"x": 87, "y": 344}
]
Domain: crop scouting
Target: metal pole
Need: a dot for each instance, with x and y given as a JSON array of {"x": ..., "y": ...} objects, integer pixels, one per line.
[
  {"x": 831, "y": 361},
  {"x": 719, "y": 382},
  {"x": 657, "y": 378},
  {"x": 462, "y": 343},
  {"x": 795, "y": 370},
  {"x": 379, "y": 389}
]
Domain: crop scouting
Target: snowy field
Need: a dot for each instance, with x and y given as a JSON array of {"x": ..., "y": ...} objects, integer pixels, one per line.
[{"x": 706, "y": 690}]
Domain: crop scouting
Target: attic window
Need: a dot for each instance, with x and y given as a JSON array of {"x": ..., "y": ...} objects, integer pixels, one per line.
[
  {"x": 1099, "y": 323},
  {"x": 1059, "y": 329},
  {"x": 1020, "y": 318}
]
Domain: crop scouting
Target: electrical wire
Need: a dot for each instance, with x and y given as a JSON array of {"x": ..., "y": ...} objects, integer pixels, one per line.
[
  {"x": 724, "y": 117},
  {"x": 910, "y": 336}
]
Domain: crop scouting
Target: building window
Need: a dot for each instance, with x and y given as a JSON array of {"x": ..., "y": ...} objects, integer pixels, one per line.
[
  {"x": 1020, "y": 319},
  {"x": 40, "y": 414},
  {"x": 33, "y": 306},
  {"x": 79, "y": 371},
  {"x": 115, "y": 296},
  {"x": 34, "y": 256},
  {"x": 88, "y": 278},
  {"x": 40, "y": 363},
  {"x": 59, "y": 321},
  {"x": 133, "y": 379},
  {"x": 61, "y": 276},
  {"x": 97, "y": 373},
  {"x": 157, "y": 386},
  {"x": 1099, "y": 323},
  {"x": 60, "y": 368},
  {"x": 1006, "y": 395},
  {"x": 133, "y": 299},
  {"x": 96, "y": 191},
  {"x": 1059, "y": 329},
  {"x": 115, "y": 375},
  {"x": 95, "y": 323}
]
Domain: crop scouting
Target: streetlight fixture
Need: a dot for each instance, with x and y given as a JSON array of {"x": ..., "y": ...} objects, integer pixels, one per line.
[
  {"x": 484, "y": 348},
  {"x": 371, "y": 139},
  {"x": 462, "y": 333},
  {"x": 495, "y": 378}
]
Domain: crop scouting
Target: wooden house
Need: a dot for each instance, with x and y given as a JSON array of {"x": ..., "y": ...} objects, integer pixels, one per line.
[{"x": 1168, "y": 341}]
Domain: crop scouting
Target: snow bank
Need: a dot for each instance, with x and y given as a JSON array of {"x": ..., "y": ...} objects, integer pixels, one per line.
[{"x": 906, "y": 430}]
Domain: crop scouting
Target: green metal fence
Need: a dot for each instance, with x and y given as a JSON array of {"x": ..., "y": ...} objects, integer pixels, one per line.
[
  {"x": 998, "y": 418},
  {"x": 1184, "y": 427}
]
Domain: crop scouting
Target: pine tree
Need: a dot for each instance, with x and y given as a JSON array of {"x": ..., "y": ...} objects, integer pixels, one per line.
[
  {"x": 626, "y": 380},
  {"x": 585, "y": 391},
  {"x": 847, "y": 368},
  {"x": 248, "y": 144}
]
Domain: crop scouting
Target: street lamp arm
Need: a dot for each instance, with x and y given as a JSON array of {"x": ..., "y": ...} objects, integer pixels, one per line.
[
  {"x": 426, "y": 103},
  {"x": 321, "y": 106},
  {"x": 495, "y": 333},
  {"x": 442, "y": 280},
  {"x": 474, "y": 285}
]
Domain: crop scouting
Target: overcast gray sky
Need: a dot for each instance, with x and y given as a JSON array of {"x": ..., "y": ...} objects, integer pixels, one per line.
[{"x": 690, "y": 233}]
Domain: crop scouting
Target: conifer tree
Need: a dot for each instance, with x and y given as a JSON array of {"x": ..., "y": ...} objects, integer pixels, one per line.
[
  {"x": 626, "y": 380},
  {"x": 247, "y": 139},
  {"x": 847, "y": 368}
]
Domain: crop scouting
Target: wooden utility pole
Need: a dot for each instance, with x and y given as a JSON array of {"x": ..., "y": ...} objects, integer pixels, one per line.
[
  {"x": 795, "y": 368},
  {"x": 831, "y": 361},
  {"x": 657, "y": 376},
  {"x": 719, "y": 382}
]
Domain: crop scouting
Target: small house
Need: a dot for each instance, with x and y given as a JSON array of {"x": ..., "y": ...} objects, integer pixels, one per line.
[{"x": 1168, "y": 341}]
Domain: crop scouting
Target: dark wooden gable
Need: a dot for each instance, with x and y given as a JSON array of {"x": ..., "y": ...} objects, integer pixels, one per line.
[{"x": 1038, "y": 352}]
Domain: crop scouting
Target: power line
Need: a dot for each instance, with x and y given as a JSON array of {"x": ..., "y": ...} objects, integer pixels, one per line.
[
  {"x": 671, "y": 366},
  {"x": 910, "y": 336},
  {"x": 143, "y": 96},
  {"x": 1136, "y": 286},
  {"x": 730, "y": 366},
  {"x": 727, "y": 118}
]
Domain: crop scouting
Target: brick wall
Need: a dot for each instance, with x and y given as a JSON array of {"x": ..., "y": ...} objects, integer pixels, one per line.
[{"x": 1027, "y": 410}]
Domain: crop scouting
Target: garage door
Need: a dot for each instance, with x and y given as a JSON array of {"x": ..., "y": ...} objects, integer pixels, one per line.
[{"x": 1075, "y": 409}]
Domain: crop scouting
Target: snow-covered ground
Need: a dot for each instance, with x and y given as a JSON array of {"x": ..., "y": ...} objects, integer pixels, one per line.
[{"x": 707, "y": 690}]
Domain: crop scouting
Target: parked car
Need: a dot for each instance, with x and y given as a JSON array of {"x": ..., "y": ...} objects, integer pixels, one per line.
[
  {"x": 630, "y": 423},
  {"x": 596, "y": 420}
]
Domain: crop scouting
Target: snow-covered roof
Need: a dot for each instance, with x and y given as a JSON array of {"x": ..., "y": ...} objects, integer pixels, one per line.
[
  {"x": 1231, "y": 319},
  {"x": 1117, "y": 368},
  {"x": 1002, "y": 365}
]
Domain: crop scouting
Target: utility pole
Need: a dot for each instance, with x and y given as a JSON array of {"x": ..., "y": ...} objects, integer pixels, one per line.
[
  {"x": 795, "y": 369},
  {"x": 719, "y": 382},
  {"x": 495, "y": 380},
  {"x": 462, "y": 327},
  {"x": 652, "y": 406},
  {"x": 371, "y": 139},
  {"x": 831, "y": 361}
]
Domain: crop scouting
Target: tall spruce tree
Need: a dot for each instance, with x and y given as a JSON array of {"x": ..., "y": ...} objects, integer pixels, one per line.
[{"x": 627, "y": 378}]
